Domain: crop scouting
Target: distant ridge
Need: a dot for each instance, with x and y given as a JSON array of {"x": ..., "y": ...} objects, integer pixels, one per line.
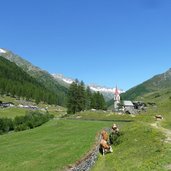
[
  {"x": 154, "y": 89},
  {"x": 157, "y": 83},
  {"x": 40, "y": 75},
  {"x": 15, "y": 82},
  {"x": 107, "y": 92}
]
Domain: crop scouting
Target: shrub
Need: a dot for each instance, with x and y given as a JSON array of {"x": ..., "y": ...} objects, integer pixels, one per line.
[
  {"x": 114, "y": 138},
  {"x": 21, "y": 127},
  {"x": 19, "y": 120},
  {"x": 6, "y": 125},
  {"x": 20, "y": 123},
  {"x": 31, "y": 120}
]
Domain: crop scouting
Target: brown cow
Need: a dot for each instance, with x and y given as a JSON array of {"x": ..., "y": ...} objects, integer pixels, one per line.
[
  {"x": 105, "y": 135},
  {"x": 104, "y": 146},
  {"x": 159, "y": 117},
  {"x": 115, "y": 129}
]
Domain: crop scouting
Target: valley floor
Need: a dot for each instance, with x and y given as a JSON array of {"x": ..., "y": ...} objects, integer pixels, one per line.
[{"x": 59, "y": 143}]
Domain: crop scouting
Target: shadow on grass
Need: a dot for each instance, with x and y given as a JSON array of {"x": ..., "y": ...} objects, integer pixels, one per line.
[{"x": 105, "y": 120}]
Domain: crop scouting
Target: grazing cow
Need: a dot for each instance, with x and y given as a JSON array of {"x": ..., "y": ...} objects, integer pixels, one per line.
[
  {"x": 104, "y": 146},
  {"x": 158, "y": 117},
  {"x": 115, "y": 129},
  {"x": 104, "y": 135}
]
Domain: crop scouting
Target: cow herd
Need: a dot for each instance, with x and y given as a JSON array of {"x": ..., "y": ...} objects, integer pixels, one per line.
[{"x": 105, "y": 145}]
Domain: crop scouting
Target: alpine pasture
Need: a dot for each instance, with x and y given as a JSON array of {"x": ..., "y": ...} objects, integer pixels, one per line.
[{"x": 60, "y": 143}]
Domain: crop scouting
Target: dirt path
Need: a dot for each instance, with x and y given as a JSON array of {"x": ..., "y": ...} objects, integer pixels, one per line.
[{"x": 167, "y": 132}]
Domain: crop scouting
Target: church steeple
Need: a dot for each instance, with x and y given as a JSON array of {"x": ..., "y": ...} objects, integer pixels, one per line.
[
  {"x": 116, "y": 95},
  {"x": 116, "y": 99}
]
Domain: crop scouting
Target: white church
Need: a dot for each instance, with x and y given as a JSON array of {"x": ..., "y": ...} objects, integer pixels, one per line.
[{"x": 117, "y": 102}]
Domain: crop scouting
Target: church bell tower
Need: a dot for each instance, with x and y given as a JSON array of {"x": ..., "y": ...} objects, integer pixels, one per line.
[{"x": 116, "y": 99}]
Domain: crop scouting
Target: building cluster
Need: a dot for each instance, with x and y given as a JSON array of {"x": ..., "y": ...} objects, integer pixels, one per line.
[
  {"x": 6, "y": 104},
  {"x": 127, "y": 106},
  {"x": 30, "y": 107}
]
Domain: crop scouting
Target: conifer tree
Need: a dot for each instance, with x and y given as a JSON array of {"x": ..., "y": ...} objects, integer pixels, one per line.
[
  {"x": 81, "y": 99},
  {"x": 72, "y": 106},
  {"x": 88, "y": 98}
]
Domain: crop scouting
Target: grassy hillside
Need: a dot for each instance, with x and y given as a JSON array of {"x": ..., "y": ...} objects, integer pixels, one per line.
[
  {"x": 52, "y": 146},
  {"x": 156, "y": 83},
  {"x": 142, "y": 147},
  {"x": 163, "y": 100}
]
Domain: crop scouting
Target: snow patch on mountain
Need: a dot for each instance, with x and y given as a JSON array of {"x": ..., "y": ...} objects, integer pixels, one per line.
[
  {"x": 93, "y": 87},
  {"x": 61, "y": 77},
  {"x": 2, "y": 51},
  {"x": 102, "y": 89}
]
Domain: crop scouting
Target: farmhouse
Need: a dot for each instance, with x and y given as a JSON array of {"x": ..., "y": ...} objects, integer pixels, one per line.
[
  {"x": 28, "y": 107},
  {"x": 128, "y": 107}
]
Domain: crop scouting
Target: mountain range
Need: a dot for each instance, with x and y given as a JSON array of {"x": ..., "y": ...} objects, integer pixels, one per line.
[
  {"x": 107, "y": 92},
  {"x": 150, "y": 89},
  {"x": 54, "y": 82}
]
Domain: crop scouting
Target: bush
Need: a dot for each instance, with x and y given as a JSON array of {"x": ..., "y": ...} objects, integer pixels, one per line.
[
  {"x": 20, "y": 123},
  {"x": 19, "y": 120},
  {"x": 31, "y": 120},
  {"x": 6, "y": 125},
  {"x": 21, "y": 127},
  {"x": 114, "y": 138}
]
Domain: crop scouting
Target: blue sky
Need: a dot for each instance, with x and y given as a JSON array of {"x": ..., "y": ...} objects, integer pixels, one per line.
[{"x": 107, "y": 42}]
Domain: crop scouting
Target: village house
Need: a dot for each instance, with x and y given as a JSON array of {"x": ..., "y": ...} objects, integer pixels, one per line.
[{"x": 127, "y": 106}]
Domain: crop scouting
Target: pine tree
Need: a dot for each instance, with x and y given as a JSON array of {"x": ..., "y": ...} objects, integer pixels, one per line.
[
  {"x": 97, "y": 101},
  {"x": 72, "y": 106},
  {"x": 88, "y": 98},
  {"x": 81, "y": 96}
]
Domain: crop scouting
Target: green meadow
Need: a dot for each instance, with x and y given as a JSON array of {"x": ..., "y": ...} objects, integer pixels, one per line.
[
  {"x": 59, "y": 143},
  {"x": 12, "y": 112},
  {"x": 141, "y": 148},
  {"x": 53, "y": 146}
]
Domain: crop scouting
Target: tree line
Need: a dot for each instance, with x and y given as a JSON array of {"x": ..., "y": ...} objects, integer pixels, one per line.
[
  {"x": 81, "y": 98},
  {"x": 17, "y": 83}
]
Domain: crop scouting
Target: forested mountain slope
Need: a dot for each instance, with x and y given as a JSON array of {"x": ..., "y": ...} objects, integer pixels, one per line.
[
  {"x": 15, "y": 81},
  {"x": 40, "y": 75}
]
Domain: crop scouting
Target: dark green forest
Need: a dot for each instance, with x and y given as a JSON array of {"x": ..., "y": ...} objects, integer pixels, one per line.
[{"x": 17, "y": 83}]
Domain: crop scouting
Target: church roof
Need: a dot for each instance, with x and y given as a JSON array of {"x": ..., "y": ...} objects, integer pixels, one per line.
[{"x": 116, "y": 91}]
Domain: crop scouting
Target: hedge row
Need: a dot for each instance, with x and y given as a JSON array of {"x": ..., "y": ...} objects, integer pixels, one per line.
[{"x": 20, "y": 123}]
